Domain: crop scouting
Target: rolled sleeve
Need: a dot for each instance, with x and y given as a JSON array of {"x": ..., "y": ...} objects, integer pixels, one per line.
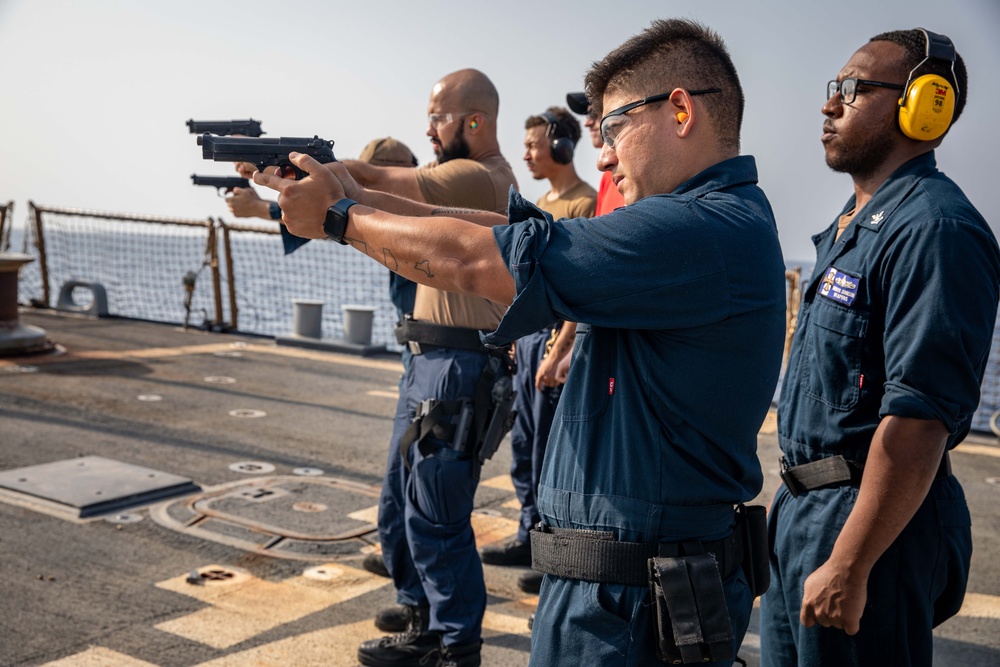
[
  {"x": 939, "y": 323},
  {"x": 521, "y": 246}
]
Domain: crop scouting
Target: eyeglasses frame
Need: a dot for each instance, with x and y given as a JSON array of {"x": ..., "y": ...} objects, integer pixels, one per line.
[{"x": 622, "y": 110}]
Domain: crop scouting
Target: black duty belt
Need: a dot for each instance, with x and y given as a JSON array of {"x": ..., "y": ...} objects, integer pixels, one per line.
[
  {"x": 423, "y": 337},
  {"x": 593, "y": 555},
  {"x": 834, "y": 471}
]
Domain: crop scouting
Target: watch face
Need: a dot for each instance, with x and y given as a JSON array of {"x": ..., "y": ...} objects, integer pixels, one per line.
[{"x": 335, "y": 225}]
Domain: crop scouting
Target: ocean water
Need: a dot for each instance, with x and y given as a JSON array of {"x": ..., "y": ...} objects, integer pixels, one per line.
[
  {"x": 143, "y": 272},
  {"x": 144, "y": 275}
]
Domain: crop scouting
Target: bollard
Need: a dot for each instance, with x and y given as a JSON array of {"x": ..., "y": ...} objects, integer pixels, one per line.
[
  {"x": 358, "y": 323},
  {"x": 307, "y": 318},
  {"x": 16, "y": 338}
]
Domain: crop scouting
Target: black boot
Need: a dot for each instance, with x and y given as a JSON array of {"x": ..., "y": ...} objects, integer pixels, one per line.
[
  {"x": 461, "y": 655},
  {"x": 530, "y": 582},
  {"x": 412, "y": 648},
  {"x": 395, "y": 618},
  {"x": 510, "y": 553},
  {"x": 374, "y": 564}
]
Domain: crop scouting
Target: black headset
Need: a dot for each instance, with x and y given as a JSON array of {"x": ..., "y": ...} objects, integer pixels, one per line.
[{"x": 561, "y": 147}]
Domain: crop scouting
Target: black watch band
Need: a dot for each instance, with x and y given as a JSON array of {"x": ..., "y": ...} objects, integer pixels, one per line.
[{"x": 335, "y": 225}]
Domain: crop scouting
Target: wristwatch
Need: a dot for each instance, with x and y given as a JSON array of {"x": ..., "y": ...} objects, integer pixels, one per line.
[{"x": 335, "y": 225}]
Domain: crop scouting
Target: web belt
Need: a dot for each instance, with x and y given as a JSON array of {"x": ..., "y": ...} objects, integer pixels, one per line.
[
  {"x": 834, "y": 471},
  {"x": 593, "y": 555},
  {"x": 423, "y": 337}
]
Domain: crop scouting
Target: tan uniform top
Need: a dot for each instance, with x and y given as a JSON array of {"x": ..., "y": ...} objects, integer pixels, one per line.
[
  {"x": 463, "y": 183},
  {"x": 579, "y": 201}
]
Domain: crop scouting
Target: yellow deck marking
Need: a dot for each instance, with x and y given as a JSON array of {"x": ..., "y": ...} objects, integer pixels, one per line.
[
  {"x": 330, "y": 647},
  {"x": 367, "y": 515},
  {"x": 99, "y": 657},
  {"x": 501, "y": 482},
  {"x": 982, "y": 450},
  {"x": 383, "y": 394},
  {"x": 245, "y": 608},
  {"x": 513, "y": 504},
  {"x": 490, "y": 529},
  {"x": 770, "y": 425},
  {"x": 505, "y": 623},
  {"x": 978, "y": 605},
  {"x": 183, "y": 350},
  {"x": 330, "y": 357}
]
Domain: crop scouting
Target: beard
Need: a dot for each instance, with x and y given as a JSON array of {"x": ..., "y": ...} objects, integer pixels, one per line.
[
  {"x": 862, "y": 156},
  {"x": 456, "y": 149}
]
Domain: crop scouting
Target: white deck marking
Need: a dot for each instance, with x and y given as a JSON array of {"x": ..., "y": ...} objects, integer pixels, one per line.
[
  {"x": 978, "y": 605},
  {"x": 240, "y": 610},
  {"x": 97, "y": 656}
]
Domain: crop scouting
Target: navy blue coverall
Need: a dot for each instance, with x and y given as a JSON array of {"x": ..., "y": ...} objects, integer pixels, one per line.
[
  {"x": 896, "y": 320},
  {"x": 530, "y": 433},
  {"x": 655, "y": 436}
]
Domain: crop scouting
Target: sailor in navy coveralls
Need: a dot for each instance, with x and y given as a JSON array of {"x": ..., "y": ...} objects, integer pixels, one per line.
[
  {"x": 871, "y": 548},
  {"x": 654, "y": 443}
]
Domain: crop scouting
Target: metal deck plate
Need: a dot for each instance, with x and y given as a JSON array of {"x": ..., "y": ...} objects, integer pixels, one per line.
[
  {"x": 93, "y": 485},
  {"x": 303, "y": 508},
  {"x": 305, "y": 518}
]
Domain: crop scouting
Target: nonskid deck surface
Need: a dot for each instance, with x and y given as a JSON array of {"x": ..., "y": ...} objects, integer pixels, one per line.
[{"x": 253, "y": 556}]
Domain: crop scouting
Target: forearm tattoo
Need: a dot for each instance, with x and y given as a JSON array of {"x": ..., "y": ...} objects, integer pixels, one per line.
[
  {"x": 389, "y": 259},
  {"x": 358, "y": 244},
  {"x": 424, "y": 267}
]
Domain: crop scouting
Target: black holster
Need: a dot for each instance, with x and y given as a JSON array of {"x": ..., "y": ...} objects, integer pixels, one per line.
[
  {"x": 690, "y": 610},
  {"x": 752, "y": 520}
]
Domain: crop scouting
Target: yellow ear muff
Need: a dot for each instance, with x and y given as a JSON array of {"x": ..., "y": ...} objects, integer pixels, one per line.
[{"x": 927, "y": 108}]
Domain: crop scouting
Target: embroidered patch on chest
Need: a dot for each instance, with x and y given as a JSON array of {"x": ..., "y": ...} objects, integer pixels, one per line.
[{"x": 839, "y": 286}]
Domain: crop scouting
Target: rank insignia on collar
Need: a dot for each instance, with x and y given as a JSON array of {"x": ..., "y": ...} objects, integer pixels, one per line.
[{"x": 877, "y": 218}]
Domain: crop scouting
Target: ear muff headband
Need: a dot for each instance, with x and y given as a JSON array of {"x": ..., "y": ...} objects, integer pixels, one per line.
[
  {"x": 927, "y": 106},
  {"x": 561, "y": 147}
]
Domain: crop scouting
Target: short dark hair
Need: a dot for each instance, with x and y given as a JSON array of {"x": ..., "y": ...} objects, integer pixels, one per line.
[
  {"x": 674, "y": 53},
  {"x": 566, "y": 124},
  {"x": 914, "y": 45}
]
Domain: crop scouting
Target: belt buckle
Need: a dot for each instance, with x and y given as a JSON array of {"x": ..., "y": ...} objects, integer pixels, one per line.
[
  {"x": 787, "y": 478},
  {"x": 414, "y": 347}
]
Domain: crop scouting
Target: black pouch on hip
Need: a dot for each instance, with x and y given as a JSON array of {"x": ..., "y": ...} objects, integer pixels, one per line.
[
  {"x": 692, "y": 618},
  {"x": 752, "y": 521}
]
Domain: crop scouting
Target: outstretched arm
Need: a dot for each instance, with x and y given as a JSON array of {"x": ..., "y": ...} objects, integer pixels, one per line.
[
  {"x": 448, "y": 249},
  {"x": 398, "y": 180}
]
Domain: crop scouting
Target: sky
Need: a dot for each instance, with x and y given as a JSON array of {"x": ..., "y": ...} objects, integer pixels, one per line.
[{"x": 94, "y": 95}]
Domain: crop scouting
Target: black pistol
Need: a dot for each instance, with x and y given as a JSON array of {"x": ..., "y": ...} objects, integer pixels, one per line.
[
  {"x": 223, "y": 183},
  {"x": 266, "y": 152},
  {"x": 248, "y": 127}
]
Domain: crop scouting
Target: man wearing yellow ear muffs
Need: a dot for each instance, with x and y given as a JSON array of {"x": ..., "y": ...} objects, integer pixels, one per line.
[{"x": 870, "y": 532}]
